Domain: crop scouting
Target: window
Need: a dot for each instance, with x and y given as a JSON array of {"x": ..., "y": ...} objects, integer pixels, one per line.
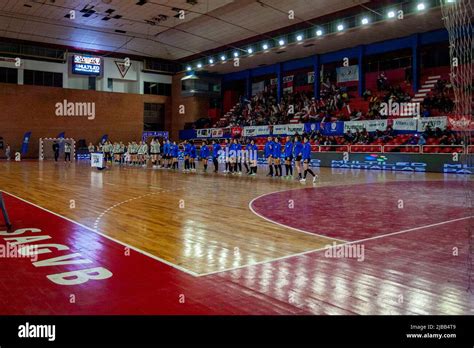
[
  {"x": 43, "y": 78},
  {"x": 157, "y": 88},
  {"x": 153, "y": 117},
  {"x": 92, "y": 83},
  {"x": 8, "y": 75}
]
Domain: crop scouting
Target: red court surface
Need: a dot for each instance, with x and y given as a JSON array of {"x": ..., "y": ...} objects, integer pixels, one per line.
[
  {"x": 407, "y": 273},
  {"x": 355, "y": 212}
]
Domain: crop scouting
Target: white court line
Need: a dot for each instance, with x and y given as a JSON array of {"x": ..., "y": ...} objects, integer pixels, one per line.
[
  {"x": 108, "y": 237},
  {"x": 337, "y": 245},
  {"x": 101, "y": 215},
  {"x": 286, "y": 226}
]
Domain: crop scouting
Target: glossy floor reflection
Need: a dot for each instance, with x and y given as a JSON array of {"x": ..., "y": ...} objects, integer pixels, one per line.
[{"x": 171, "y": 235}]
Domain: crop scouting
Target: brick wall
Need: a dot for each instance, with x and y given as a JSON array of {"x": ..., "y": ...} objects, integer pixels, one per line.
[
  {"x": 194, "y": 107},
  {"x": 32, "y": 108}
]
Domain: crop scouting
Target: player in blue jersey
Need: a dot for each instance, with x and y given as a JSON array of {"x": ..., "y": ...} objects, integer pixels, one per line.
[
  {"x": 216, "y": 151},
  {"x": 166, "y": 154},
  {"x": 307, "y": 160},
  {"x": 173, "y": 154},
  {"x": 238, "y": 167},
  {"x": 269, "y": 155},
  {"x": 277, "y": 157},
  {"x": 288, "y": 157},
  {"x": 227, "y": 157},
  {"x": 186, "y": 151},
  {"x": 192, "y": 156},
  {"x": 298, "y": 153},
  {"x": 253, "y": 157},
  {"x": 204, "y": 154},
  {"x": 245, "y": 156},
  {"x": 233, "y": 148}
]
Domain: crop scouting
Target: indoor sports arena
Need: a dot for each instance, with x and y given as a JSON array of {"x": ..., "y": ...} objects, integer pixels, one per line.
[{"x": 236, "y": 158}]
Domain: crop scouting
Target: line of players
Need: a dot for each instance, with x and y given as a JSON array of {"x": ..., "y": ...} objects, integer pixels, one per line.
[{"x": 232, "y": 153}]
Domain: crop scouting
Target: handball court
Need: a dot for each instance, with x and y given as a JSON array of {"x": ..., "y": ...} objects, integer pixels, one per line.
[{"x": 174, "y": 243}]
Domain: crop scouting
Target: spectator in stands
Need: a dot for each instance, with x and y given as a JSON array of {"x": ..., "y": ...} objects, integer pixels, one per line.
[
  {"x": 421, "y": 140},
  {"x": 425, "y": 112},
  {"x": 381, "y": 82},
  {"x": 438, "y": 133},
  {"x": 364, "y": 137},
  {"x": 367, "y": 94},
  {"x": 388, "y": 134},
  {"x": 348, "y": 137},
  {"x": 428, "y": 133}
]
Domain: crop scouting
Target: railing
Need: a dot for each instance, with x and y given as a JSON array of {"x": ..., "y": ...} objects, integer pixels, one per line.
[
  {"x": 334, "y": 148},
  {"x": 402, "y": 148},
  {"x": 443, "y": 149},
  {"x": 365, "y": 148}
]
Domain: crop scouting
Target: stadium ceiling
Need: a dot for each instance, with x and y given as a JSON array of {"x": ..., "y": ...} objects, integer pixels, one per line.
[
  {"x": 153, "y": 27},
  {"x": 376, "y": 32}
]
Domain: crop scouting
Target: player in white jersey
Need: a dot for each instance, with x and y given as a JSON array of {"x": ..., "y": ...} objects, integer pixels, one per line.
[
  {"x": 155, "y": 151},
  {"x": 107, "y": 148},
  {"x": 121, "y": 153},
  {"x": 142, "y": 152},
  {"x": 133, "y": 150},
  {"x": 116, "y": 151},
  {"x": 91, "y": 149}
]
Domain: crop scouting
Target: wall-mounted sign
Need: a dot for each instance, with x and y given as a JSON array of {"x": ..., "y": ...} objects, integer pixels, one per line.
[{"x": 86, "y": 65}]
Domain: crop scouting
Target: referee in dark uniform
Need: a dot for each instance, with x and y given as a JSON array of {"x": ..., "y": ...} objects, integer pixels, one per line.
[{"x": 56, "y": 150}]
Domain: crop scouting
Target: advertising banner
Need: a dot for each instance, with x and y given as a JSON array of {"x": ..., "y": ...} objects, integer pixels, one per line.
[
  {"x": 434, "y": 122},
  {"x": 369, "y": 125},
  {"x": 461, "y": 123},
  {"x": 97, "y": 160},
  {"x": 312, "y": 127},
  {"x": 280, "y": 129},
  {"x": 256, "y": 130},
  {"x": 409, "y": 124},
  {"x": 332, "y": 128},
  {"x": 203, "y": 133},
  {"x": 258, "y": 87},
  {"x": 295, "y": 128},
  {"x": 236, "y": 132},
  {"x": 348, "y": 73},
  {"x": 217, "y": 132}
]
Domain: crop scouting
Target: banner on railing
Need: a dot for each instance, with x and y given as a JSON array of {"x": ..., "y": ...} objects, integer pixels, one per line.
[
  {"x": 217, "y": 132},
  {"x": 236, "y": 132},
  {"x": 253, "y": 131},
  {"x": 312, "y": 127},
  {"x": 332, "y": 128},
  {"x": 295, "y": 128},
  {"x": 369, "y": 125},
  {"x": 203, "y": 133},
  {"x": 433, "y": 122},
  {"x": 408, "y": 124},
  {"x": 461, "y": 123},
  {"x": 280, "y": 129}
]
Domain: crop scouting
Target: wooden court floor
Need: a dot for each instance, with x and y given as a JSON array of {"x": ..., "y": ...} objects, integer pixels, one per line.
[
  {"x": 201, "y": 223},
  {"x": 236, "y": 244}
]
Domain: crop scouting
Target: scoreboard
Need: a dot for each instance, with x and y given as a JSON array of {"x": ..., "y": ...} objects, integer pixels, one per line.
[{"x": 86, "y": 65}]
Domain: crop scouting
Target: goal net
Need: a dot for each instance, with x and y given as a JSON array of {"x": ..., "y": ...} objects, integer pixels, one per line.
[
  {"x": 46, "y": 151},
  {"x": 457, "y": 17}
]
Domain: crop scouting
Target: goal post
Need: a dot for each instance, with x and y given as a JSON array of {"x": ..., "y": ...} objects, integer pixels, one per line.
[
  {"x": 46, "y": 151},
  {"x": 3, "y": 208},
  {"x": 457, "y": 18}
]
